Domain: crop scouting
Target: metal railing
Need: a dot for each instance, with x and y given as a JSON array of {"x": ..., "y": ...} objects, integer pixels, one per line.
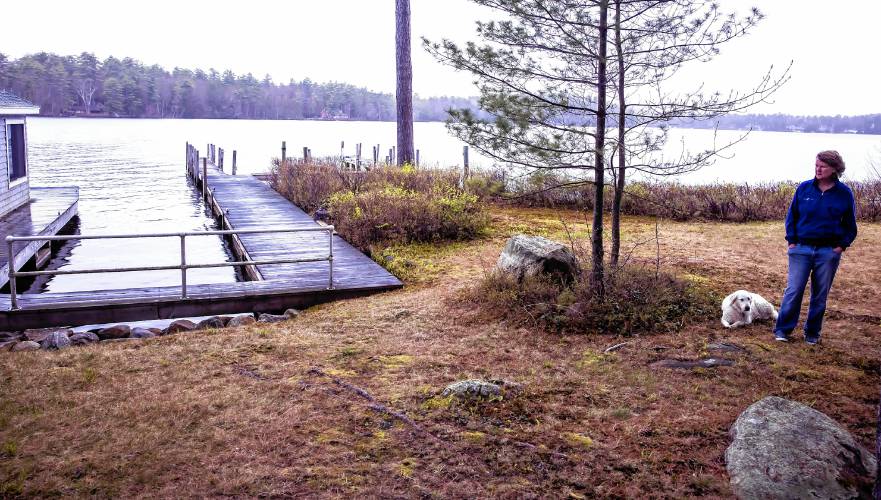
[{"x": 183, "y": 266}]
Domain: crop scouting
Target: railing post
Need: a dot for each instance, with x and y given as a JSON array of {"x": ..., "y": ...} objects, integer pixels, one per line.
[
  {"x": 205, "y": 178},
  {"x": 330, "y": 258},
  {"x": 13, "y": 296},
  {"x": 183, "y": 266}
]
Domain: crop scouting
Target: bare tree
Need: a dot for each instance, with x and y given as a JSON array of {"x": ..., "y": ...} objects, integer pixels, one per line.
[
  {"x": 85, "y": 89},
  {"x": 404, "y": 90}
]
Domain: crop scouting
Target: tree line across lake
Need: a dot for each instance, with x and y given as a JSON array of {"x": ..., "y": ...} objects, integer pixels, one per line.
[{"x": 84, "y": 85}]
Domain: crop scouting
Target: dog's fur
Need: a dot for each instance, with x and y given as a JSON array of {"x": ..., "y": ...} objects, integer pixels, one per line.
[{"x": 742, "y": 308}]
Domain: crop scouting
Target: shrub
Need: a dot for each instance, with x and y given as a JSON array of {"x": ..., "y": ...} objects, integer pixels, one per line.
[
  {"x": 636, "y": 300},
  {"x": 400, "y": 215}
]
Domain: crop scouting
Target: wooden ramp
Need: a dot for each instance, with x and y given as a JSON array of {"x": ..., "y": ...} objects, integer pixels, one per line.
[
  {"x": 50, "y": 209},
  {"x": 239, "y": 202}
]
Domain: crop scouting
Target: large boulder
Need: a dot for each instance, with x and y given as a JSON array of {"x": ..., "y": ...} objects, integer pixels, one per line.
[
  {"x": 58, "y": 339},
  {"x": 477, "y": 388},
  {"x": 783, "y": 449},
  {"x": 26, "y": 345},
  {"x": 179, "y": 325},
  {"x": 241, "y": 320},
  {"x": 212, "y": 322},
  {"x": 526, "y": 256},
  {"x": 141, "y": 333},
  {"x": 114, "y": 332},
  {"x": 84, "y": 338}
]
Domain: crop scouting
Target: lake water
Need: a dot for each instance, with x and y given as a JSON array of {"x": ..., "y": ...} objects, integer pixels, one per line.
[{"x": 132, "y": 180}]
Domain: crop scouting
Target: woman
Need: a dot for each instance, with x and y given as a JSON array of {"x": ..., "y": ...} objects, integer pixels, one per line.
[{"x": 820, "y": 225}]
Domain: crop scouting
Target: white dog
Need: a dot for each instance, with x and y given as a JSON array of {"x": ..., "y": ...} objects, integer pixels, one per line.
[{"x": 742, "y": 308}]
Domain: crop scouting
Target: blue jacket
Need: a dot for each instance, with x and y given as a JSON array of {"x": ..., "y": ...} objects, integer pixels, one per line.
[{"x": 824, "y": 219}]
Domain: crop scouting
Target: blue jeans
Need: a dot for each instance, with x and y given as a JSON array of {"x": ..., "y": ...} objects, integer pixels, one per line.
[{"x": 819, "y": 264}]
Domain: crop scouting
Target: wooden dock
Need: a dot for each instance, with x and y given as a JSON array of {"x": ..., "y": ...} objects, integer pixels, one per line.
[
  {"x": 239, "y": 202},
  {"x": 50, "y": 209}
]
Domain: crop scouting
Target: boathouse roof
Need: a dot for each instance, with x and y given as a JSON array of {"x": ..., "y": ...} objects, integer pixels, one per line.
[{"x": 11, "y": 104}]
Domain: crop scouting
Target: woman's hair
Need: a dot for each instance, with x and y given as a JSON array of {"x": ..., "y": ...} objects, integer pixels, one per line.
[{"x": 833, "y": 159}]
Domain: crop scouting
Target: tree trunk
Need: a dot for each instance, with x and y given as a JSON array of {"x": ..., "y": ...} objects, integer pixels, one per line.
[
  {"x": 622, "y": 160},
  {"x": 404, "y": 91},
  {"x": 597, "y": 272}
]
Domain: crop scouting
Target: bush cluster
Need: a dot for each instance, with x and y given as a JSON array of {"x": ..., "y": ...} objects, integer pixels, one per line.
[
  {"x": 725, "y": 202},
  {"x": 636, "y": 300},
  {"x": 384, "y": 204}
]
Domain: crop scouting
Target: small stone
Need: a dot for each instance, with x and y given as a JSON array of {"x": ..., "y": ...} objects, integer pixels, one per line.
[
  {"x": 479, "y": 388},
  {"x": 7, "y": 345},
  {"x": 241, "y": 319},
  {"x": 179, "y": 325},
  {"x": 213, "y": 322},
  {"x": 114, "y": 332},
  {"x": 271, "y": 318},
  {"x": 57, "y": 340},
  {"x": 691, "y": 364},
  {"x": 40, "y": 334},
  {"x": 6, "y": 336},
  {"x": 141, "y": 333},
  {"x": 403, "y": 314},
  {"x": 291, "y": 313},
  {"x": 725, "y": 347},
  {"x": 26, "y": 345},
  {"x": 84, "y": 338}
]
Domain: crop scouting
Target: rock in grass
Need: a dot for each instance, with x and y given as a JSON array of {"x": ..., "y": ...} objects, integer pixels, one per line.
[
  {"x": 26, "y": 345},
  {"x": 58, "y": 339},
  {"x": 783, "y": 449},
  {"x": 141, "y": 333},
  {"x": 526, "y": 256},
  {"x": 84, "y": 338},
  {"x": 241, "y": 319},
  {"x": 179, "y": 325},
  {"x": 291, "y": 313},
  {"x": 7, "y": 345},
  {"x": 114, "y": 332},
  {"x": 272, "y": 318},
  {"x": 690, "y": 364},
  {"x": 213, "y": 322},
  {"x": 479, "y": 388},
  {"x": 39, "y": 334}
]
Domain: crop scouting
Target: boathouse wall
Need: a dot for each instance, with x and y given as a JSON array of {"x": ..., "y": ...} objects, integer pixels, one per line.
[{"x": 16, "y": 193}]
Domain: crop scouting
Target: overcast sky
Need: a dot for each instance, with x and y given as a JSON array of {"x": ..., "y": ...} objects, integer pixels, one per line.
[{"x": 833, "y": 44}]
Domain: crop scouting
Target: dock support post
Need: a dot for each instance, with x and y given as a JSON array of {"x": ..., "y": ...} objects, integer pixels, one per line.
[
  {"x": 330, "y": 258},
  {"x": 13, "y": 296},
  {"x": 183, "y": 266},
  {"x": 188, "y": 157},
  {"x": 305, "y": 154},
  {"x": 205, "y": 178},
  {"x": 417, "y": 157},
  {"x": 358, "y": 156},
  {"x": 284, "y": 151},
  {"x": 234, "y": 162}
]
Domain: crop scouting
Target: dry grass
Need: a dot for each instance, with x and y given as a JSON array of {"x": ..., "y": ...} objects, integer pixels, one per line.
[{"x": 238, "y": 413}]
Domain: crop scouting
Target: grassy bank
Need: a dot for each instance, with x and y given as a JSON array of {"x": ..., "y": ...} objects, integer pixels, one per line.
[{"x": 268, "y": 410}]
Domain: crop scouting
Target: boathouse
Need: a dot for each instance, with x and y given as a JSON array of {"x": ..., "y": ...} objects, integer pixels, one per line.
[{"x": 14, "y": 189}]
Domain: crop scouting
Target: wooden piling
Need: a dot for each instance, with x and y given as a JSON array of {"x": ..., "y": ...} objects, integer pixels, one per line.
[
  {"x": 417, "y": 157},
  {"x": 234, "y": 162},
  {"x": 465, "y": 168},
  {"x": 205, "y": 178},
  {"x": 358, "y": 156},
  {"x": 284, "y": 151},
  {"x": 305, "y": 154}
]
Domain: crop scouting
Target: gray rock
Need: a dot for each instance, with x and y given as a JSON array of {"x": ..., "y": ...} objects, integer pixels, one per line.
[
  {"x": 40, "y": 334},
  {"x": 214, "y": 322},
  {"x": 141, "y": 333},
  {"x": 114, "y": 332},
  {"x": 725, "y": 347},
  {"x": 271, "y": 318},
  {"x": 526, "y": 256},
  {"x": 7, "y": 345},
  {"x": 690, "y": 364},
  {"x": 84, "y": 338},
  {"x": 57, "y": 340},
  {"x": 179, "y": 325},
  {"x": 241, "y": 319},
  {"x": 783, "y": 449},
  {"x": 26, "y": 345},
  {"x": 7, "y": 336},
  {"x": 479, "y": 388},
  {"x": 291, "y": 313}
]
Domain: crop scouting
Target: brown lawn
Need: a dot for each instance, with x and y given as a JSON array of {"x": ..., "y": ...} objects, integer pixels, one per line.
[{"x": 273, "y": 410}]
